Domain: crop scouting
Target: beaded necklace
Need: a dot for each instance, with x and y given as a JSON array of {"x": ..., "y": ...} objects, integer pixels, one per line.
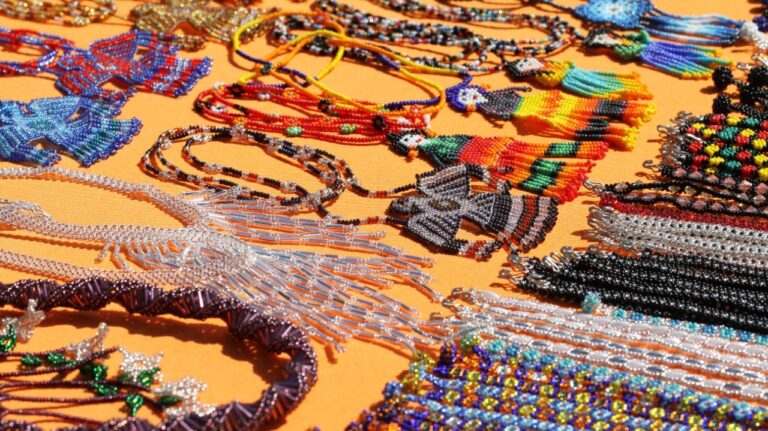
[
  {"x": 476, "y": 49},
  {"x": 143, "y": 61},
  {"x": 85, "y": 129},
  {"x": 431, "y": 209},
  {"x": 206, "y": 21},
  {"x": 692, "y": 287},
  {"x": 66, "y": 12},
  {"x": 499, "y": 385},
  {"x": 179, "y": 400},
  {"x": 686, "y": 60},
  {"x": 333, "y": 297}
]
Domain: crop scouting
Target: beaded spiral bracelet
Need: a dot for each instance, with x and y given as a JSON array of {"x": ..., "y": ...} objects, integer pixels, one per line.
[{"x": 243, "y": 321}]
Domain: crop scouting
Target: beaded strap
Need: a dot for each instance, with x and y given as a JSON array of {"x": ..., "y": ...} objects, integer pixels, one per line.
[{"x": 244, "y": 322}]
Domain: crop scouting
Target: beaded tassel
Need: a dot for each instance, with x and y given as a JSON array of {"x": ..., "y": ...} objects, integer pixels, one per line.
[
  {"x": 683, "y": 61},
  {"x": 556, "y": 114},
  {"x": 581, "y": 82},
  {"x": 157, "y": 69},
  {"x": 83, "y": 128},
  {"x": 506, "y": 159}
]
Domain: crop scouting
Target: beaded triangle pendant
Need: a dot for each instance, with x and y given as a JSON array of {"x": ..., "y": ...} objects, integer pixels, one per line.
[
  {"x": 82, "y": 128},
  {"x": 530, "y": 167},
  {"x": 554, "y": 113},
  {"x": 445, "y": 199}
]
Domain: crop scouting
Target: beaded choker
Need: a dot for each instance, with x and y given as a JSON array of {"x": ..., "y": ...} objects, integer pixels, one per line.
[
  {"x": 179, "y": 399},
  {"x": 498, "y": 385},
  {"x": 84, "y": 129},
  {"x": 334, "y": 297},
  {"x": 206, "y": 21},
  {"x": 432, "y": 209},
  {"x": 143, "y": 61}
]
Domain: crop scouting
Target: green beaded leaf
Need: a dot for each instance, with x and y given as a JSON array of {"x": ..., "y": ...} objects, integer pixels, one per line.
[
  {"x": 56, "y": 359},
  {"x": 92, "y": 371},
  {"x": 168, "y": 400},
  {"x": 31, "y": 361},
  {"x": 104, "y": 390},
  {"x": 147, "y": 377},
  {"x": 8, "y": 341},
  {"x": 134, "y": 403}
]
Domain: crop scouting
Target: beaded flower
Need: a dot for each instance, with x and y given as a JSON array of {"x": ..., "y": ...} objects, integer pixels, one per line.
[
  {"x": 624, "y": 14},
  {"x": 82, "y": 128}
]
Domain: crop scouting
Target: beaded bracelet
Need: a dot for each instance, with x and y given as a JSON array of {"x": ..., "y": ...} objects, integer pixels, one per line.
[
  {"x": 498, "y": 385},
  {"x": 67, "y": 12},
  {"x": 433, "y": 211},
  {"x": 660, "y": 285},
  {"x": 207, "y": 22},
  {"x": 243, "y": 321}
]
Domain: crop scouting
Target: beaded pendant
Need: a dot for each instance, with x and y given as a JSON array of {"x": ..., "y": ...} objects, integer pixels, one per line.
[
  {"x": 683, "y": 61},
  {"x": 207, "y": 22},
  {"x": 84, "y": 129},
  {"x": 643, "y": 15},
  {"x": 554, "y": 113},
  {"x": 528, "y": 167},
  {"x": 142, "y": 61},
  {"x": 445, "y": 199},
  {"x": 582, "y": 82}
]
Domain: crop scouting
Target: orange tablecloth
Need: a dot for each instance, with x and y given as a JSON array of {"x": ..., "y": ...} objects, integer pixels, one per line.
[{"x": 351, "y": 381}]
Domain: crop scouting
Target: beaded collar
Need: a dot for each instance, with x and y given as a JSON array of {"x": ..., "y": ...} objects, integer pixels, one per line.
[
  {"x": 144, "y": 61},
  {"x": 82, "y": 128},
  {"x": 244, "y": 321}
]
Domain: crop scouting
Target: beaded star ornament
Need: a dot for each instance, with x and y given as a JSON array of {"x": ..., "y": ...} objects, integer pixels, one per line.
[
  {"x": 137, "y": 385},
  {"x": 81, "y": 128},
  {"x": 225, "y": 243},
  {"x": 208, "y": 22},
  {"x": 432, "y": 210},
  {"x": 67, "y": 12},
  {"x": 500, "y": 385},
  {"x": 143, "y": 61}
]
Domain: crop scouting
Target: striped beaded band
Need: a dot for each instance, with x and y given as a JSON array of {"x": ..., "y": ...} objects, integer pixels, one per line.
[{"x": 244, "y": 321}]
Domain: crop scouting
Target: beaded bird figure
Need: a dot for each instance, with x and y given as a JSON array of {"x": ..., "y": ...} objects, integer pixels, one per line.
[
  {"x": 445, "y": 199},
  {"x": 502, "y": 158},
  {"x": 554, "y": 113},
  {"x": 85, "y": 129}
]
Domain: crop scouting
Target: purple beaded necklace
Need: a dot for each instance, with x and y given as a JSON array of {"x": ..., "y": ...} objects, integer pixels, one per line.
[{"x": 243, "y": 320}]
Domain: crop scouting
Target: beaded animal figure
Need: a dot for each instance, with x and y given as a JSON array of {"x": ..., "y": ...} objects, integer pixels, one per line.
[
  {"x": 85, "y": 129},
  {"x": 445, "y": 199},
  {"x": 525, "y": 166}
]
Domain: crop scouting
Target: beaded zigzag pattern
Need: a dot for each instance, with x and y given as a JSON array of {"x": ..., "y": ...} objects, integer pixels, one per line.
[{"x": 82, "y": 128}]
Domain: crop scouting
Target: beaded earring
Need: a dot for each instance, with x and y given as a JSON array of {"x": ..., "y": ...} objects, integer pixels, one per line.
[
  {"x": 208, "y": 22},
  {"x": 432, "y": 210},
  {"x": 66, "y": 12},
  {"x": 142, "y": 60},
  {"x": 555, "y": 114}
]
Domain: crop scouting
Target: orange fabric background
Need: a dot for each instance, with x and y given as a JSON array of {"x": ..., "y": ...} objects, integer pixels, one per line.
[{"x": 351, "y": 381}]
